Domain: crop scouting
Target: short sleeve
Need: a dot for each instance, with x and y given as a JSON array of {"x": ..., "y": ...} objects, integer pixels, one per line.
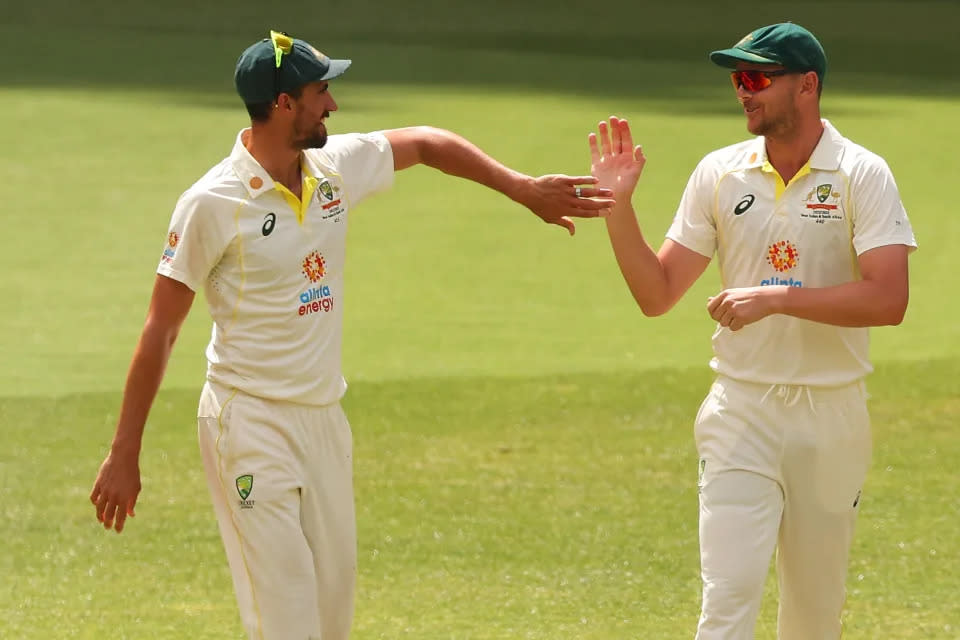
[
  {"x": 196, "y": 240},
  {"x": 694, "y": 225},
  {"x": 879, "y": 218},
  {"x": 364, "y": 162}
]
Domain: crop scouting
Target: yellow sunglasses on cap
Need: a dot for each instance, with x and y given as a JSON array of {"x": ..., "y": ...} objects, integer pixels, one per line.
[{"x": 282, "y": 43}]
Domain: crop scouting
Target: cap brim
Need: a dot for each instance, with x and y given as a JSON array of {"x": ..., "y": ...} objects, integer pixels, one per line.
[
  {"x": 729, "y": 58},
  {"x": 337, "y": 67}
]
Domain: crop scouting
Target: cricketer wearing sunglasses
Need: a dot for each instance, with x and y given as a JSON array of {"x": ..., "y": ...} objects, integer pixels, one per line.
[
  {"x": 811, "y": 239},
  {"x": 262, "y": 234}
]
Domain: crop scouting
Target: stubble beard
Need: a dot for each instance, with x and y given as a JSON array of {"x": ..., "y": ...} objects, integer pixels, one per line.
[
  {"x": 314, "y": 139},
  {"x": 777, "y": 127}
]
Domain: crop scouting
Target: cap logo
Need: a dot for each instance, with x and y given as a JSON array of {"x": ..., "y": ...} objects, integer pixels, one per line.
[{"x": 747, "y": 38}]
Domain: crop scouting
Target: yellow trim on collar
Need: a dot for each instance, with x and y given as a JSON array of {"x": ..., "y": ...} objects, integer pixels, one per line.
[
  {"x": 780, "y": 186},
  {"x": 308, "y": 188}
]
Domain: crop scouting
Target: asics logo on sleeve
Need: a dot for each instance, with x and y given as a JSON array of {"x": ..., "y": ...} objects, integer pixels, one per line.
[{"x": 744, "y": 204}]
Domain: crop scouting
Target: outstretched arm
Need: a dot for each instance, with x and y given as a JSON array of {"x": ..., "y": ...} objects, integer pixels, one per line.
[
  {"x": 555, "y": 199},
  {"x": 117, "y": 485},
  {"x": 657, "y": 280}
]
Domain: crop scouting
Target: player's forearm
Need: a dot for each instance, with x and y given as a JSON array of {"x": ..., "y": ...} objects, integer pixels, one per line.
[
  {"x": 454, "y": 155},
  {"x": 143, "y": 380},
  {"x": 639, "y": 264},
  {"x": 864, "y": 303}
]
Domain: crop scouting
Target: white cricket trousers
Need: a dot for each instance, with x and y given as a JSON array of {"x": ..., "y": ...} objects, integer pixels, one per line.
[
  {"x": 280, "y": 476},
  {"x": 781, "y": 466}
]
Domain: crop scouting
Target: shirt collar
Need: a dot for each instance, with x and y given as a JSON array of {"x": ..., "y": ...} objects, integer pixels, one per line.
[
  {"x": 254, "y": 177},
  {"x": 829, "y": 151},
  {"x": 756, "y": 154},
  {"x": 826, "y": 155}
]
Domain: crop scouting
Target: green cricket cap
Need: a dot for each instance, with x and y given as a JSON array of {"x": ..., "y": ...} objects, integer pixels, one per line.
[
  {"x": 785, "y": 43},
  {"x": 259, "y": 79}
]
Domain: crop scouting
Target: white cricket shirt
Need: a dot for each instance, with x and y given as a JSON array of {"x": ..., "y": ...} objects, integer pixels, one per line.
[
  {"x": 807, "y": 233},
  {"x": 271, "y": 265}
]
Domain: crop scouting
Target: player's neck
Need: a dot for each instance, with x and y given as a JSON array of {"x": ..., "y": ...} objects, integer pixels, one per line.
[
  {"x": 790, "y": 151},
  {"x": 278, "y": 158}
]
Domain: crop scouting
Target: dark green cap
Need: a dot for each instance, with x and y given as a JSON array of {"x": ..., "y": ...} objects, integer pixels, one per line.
[
  {"x": 258, "y": 79},
  {"x": 786, "y": 44}
]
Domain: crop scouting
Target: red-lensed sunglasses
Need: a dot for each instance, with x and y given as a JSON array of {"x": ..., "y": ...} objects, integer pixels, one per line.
[{"x": 754, "y": 79}]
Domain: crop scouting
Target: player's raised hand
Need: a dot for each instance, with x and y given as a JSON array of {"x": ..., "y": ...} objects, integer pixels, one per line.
[
  {"x": 116, "y": 489},
  {"x": 556, "y": 199},
  {"x": 615, "y": 161}
]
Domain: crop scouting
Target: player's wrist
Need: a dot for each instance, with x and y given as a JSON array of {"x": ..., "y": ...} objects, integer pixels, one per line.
[
  {"x": 777, "y": 298},
  {"x": 126, "y": 446},
  {"x": 520, "y": 188}
]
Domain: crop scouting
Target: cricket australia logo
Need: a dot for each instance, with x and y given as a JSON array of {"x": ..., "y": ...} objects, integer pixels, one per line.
[
  {"x": 325, "y": 189},
  {"x": 823, "y": 192},
  {"x": 822, "y": 204},
  {"x": 328, "y": 195},
  {"x": 244, "y": 488}
]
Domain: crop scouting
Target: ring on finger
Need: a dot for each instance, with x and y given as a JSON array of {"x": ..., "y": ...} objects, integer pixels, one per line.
[{"x": 577, "y": 192}]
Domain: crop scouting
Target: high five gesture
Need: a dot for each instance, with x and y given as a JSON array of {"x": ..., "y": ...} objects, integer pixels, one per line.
[
  {"x": 616, "y": 163},
  {"x": 656, "y": 280}
]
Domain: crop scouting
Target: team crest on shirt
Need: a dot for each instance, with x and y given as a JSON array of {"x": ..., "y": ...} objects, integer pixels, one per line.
[
  {"x": 244, "y": 485},
  {"x": 328, "y": 195},
  {"x": 782, "y": 256},
  {"x": 822, "y": 204},
  {"x": 169, "y": 251},
  {"x": 325, "y": 190},
  {"x": 318, "y": 298},
  {"x": 823, "y": 192}
]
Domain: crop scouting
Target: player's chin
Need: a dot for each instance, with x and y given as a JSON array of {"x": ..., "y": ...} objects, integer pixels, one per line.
[{"x": 315, "y": 141}]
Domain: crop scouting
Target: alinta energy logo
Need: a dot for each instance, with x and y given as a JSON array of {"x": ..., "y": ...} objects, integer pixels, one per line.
[
  {"x": 316, "y": 299},
  {"x": 782, "y": 256},
  {"x": 173, "y": 239}
]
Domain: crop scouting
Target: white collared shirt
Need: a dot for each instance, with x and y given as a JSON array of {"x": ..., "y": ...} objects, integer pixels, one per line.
[
  {"x": 271, "y": 265},
  {"x": 807, "y": 233}
]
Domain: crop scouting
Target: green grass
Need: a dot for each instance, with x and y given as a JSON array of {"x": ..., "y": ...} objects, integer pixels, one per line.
[
  {"x": 534, "y": 507},
  {"x": 524, "y": 455}
]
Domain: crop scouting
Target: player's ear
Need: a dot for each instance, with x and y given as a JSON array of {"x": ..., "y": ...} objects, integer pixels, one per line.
[
  {"x": 810, "y": 82},
  {"x": 284, "y": 102}
]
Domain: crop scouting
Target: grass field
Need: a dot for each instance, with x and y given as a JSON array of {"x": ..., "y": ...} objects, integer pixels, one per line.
[{"x": 524, "y": 457}]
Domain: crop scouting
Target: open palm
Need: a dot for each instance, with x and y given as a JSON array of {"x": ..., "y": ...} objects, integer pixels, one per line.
[{"x": 615, "y": 162}]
